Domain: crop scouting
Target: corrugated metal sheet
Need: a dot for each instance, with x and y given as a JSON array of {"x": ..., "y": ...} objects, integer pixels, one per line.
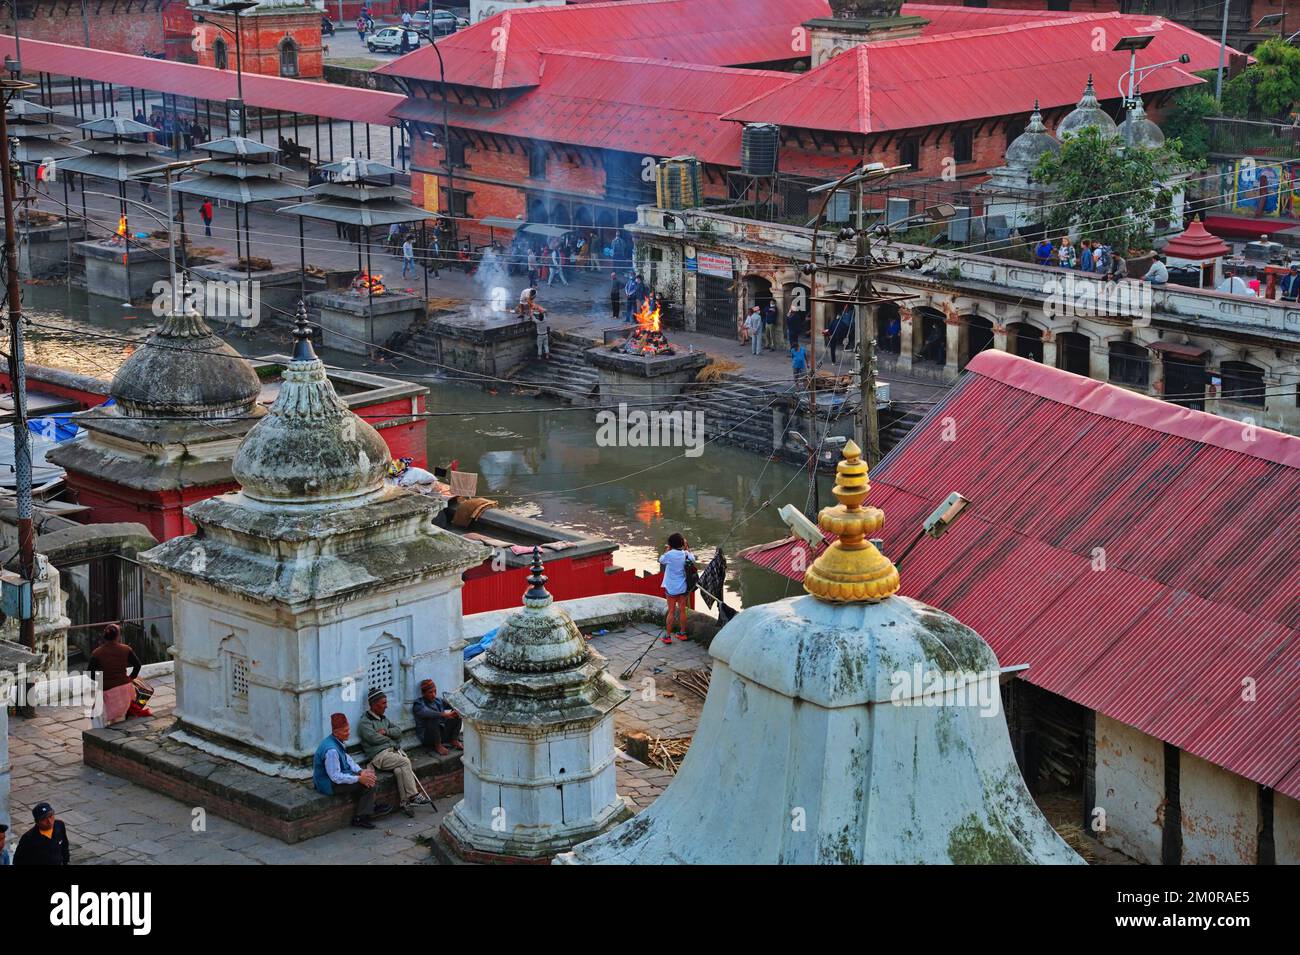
[
  {"x": 1197, "y": 595},
  {"x": 204, "y": 82},
  {"x": 633, "y": 105},
  {"x": 504, "y": 51},
  {"x": 944, "y": 77}
]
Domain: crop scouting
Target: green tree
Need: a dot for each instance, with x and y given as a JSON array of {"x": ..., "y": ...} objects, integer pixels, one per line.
[
  {"x": 1185, "y": 122},
  {"x": 1106, "y": 192},
  {"x": 1268, "y": 88}
]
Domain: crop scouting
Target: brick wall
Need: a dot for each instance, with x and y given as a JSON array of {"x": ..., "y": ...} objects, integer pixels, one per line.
[
  {"x": 260, "y": 37},
  {"x": 123, "y": 32}
]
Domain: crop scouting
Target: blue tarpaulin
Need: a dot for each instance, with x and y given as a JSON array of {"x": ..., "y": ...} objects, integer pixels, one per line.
[{"x": 485, "y": 641}]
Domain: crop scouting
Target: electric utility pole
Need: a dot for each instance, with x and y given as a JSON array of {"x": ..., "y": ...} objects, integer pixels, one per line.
[{"x": 17, "y": 368}]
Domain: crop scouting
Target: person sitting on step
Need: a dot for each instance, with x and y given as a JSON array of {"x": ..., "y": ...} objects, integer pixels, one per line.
[
  {"x": 334, "y": 771},
  {"x": 381, "y": 741},
  {"x": 436, "y": 721}
]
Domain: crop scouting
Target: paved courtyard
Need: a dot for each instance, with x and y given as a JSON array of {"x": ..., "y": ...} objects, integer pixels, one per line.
[{"x": 111, "y": 821}]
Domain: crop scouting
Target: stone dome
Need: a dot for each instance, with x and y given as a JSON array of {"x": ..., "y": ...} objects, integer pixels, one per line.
[
  {"x": 184, "y": 370},
  {"x": 310, "y": 448},
  {"x": 540, "y": 638},
  {"x": 1087, "y": 113},
  {"x": 1031, "y": 145},
  {"x": 1139, "y": 131}
]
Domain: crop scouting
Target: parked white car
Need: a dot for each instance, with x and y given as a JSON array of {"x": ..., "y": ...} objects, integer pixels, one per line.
[{"x": 389, "y": 40}]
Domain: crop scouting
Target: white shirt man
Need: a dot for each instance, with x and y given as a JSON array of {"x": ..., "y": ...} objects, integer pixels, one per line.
[
  {"x": 1158, "y": 274},
  {"x": 406, "y": 18}
]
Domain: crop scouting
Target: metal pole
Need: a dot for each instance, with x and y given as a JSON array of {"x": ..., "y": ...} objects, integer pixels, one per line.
[
  {"x": 239, "y": 73},
  {"x": 446, "y": 133},
  {"x": 18, "y": 380},
  {"x": 1223, "y": 52},
  {"x": 85, "y": 24}
]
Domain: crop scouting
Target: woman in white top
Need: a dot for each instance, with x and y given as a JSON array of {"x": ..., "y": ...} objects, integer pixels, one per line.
[{"x": 674, "y": 561}]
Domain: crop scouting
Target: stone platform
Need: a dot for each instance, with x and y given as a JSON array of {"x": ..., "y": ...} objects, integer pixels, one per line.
[
  {"x": 350, "y": 320},
  {"x": 478, "y": 341},
  {"x": 644, "y": 380},
  {"x": 113, "y": 272},
  {"x": 143, "y": 752}
]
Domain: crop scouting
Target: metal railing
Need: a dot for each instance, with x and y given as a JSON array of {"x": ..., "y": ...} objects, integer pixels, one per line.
[{"x": 1246, "y": 137}]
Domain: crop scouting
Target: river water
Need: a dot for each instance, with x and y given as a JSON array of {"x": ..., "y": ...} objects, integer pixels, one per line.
[{"x": 539, "y": 460}]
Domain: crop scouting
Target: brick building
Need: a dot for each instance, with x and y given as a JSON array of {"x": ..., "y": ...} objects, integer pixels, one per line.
[
  {"x": 559, "y": 114},
  {"x": 277, "y": 38},
  {"x": 129, "y": 26}
]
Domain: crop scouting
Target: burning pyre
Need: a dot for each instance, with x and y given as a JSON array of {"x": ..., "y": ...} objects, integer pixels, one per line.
[
  {"x": 365, "y": 283},
  {"x": 647, "y": 338}
]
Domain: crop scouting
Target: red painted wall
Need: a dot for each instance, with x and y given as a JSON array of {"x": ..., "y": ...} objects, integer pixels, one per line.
[{"x": 488, "y": 589}]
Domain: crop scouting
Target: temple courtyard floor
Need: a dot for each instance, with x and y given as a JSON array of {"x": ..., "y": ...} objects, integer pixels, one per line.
[{"x": 111, "y": 821}]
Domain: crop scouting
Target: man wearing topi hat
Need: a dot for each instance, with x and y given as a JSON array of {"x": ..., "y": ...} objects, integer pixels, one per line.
[
  {"x": 333, "y": 770},
  {"x": 381, "y": 740}
]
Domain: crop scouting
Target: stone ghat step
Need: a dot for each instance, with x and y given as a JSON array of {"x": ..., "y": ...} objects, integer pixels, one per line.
[{"x": 287, "y": 809}]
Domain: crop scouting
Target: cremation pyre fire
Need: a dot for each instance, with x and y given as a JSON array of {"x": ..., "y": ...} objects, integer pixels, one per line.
[
  {"x": 647, "y": 338},
  {"x": 367, "y": 283}
]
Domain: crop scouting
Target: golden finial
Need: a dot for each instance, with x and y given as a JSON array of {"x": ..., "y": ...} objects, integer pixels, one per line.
[{"x": 851, "y": 569}]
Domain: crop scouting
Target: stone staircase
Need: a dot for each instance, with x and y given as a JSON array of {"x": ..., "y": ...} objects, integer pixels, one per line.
[
  {"x": 894, "y": 426},
  {"x": 567, "y": 375},
  {"x": 736, "y": 412}
]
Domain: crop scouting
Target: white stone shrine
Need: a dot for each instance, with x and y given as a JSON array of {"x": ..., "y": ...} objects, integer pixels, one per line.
[
  {"x": 310, "y": 586},
  {"x": 821, "y": 741},
  {"x": 538, "y": 709}
]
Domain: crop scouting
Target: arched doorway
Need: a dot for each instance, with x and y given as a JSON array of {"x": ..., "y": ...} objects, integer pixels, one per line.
[
  {"x": 1025, "y": 340},
  {"x": 930, "y": 337},
  {"x": 537, "y": 212},
  {"x": 560, "y": 214},
  {"x": 977, "y": 335},
  {"x": 1130, "y": 365},
  {"x": 758, "y": 291},
  {"x": 1074, "y": 353},
  {"x": 888, "y": 328}
]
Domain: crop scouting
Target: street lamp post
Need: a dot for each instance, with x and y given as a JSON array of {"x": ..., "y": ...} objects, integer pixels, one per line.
[
  {"x": 235, "y": 7},
  {"x": 446, "y": 131}
]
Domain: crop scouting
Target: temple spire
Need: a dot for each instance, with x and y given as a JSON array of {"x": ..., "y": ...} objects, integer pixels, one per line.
[{"x": 851, "y": 569}]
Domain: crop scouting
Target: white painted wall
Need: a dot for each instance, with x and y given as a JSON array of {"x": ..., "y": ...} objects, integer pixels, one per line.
[
  {"x": 1220, "y": 814},
  {"x": 302, "y": 668},
  {"x": 1130, "y": 788}
]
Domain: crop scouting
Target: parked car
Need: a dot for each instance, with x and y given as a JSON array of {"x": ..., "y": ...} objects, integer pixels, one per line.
[
  {"x": 445, "y": 22},
  {"x": 326, "y": 27},
  {"x": 389, "y": 40}
]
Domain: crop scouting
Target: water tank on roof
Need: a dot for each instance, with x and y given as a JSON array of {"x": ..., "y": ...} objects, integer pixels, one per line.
[{"x": 758, "y": 147}]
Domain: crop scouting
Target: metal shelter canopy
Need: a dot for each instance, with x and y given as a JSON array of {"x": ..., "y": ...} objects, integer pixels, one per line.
[
  {"x": 304, "y": 97},
  {"x": 549, "y": 231},
  {"x": 237, "y": 190},
  {"x": 500, "y": 222},
  {"x": 381, "y": 212}
]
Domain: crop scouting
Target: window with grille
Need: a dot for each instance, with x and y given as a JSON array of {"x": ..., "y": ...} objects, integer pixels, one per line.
[
  {"x": 238, "y": 677},
  {"x": 379, "y": 671},
  {"x": 288, "y": 58},
  {"x": 1243, "y": 382}
]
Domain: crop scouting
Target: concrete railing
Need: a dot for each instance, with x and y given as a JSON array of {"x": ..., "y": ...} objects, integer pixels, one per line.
[{"x": 1211, "y": 309}]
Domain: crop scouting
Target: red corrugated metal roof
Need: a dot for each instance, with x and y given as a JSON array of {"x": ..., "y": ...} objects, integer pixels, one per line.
[
  {"x": 505, "y": 51},
  {"x": 204, "y": 82},
  {"x": 634, "y": 105},
  {"x": 956, "y": 77},
  {"x": 946, "y": 19},
  {"x": 1199, "y": 521}
]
